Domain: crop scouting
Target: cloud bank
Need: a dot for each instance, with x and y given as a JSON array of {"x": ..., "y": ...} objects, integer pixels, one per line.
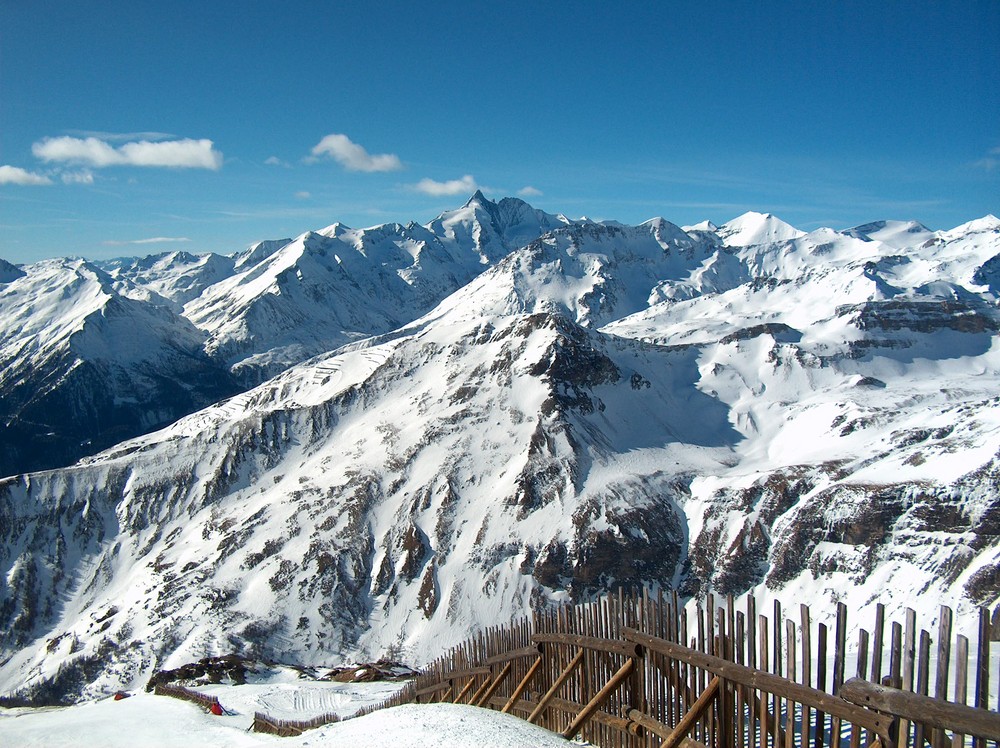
[
  {"x": 354, "y": 157},
  {"x": 17, "y": 175},
  {"x": 178, "y": 154},
  {"x": 464, "y": 186}
]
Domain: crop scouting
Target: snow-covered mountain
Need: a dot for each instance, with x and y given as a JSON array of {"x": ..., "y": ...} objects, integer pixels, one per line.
[
  {"x": 744, "y": 407},
  {"x": 236, "y": 319},
  {"x": 336, "y": 285},
  {"x": 86, "y": 362},
  {"x": 177, "y": 276}
]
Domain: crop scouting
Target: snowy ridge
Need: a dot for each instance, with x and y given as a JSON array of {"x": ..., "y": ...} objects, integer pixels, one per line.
[
  {"x": 176, "y": 276},
  {"x": 329, "y": 287},
  {"x": 814, "y": 414}
]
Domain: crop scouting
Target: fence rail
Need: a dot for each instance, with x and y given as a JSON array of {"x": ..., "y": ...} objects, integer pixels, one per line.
[{"x": 634, "y": 670}]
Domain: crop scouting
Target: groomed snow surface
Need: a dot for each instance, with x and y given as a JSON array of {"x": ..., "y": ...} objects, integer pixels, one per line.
[{"x": 163, "y": 722}]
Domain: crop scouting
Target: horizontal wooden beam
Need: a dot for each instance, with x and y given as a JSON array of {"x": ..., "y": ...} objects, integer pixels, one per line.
[
  {"x": 532, "y": 650},
  {"x": 948, "y": 715},
  {"x": 525, "y": 706},
  {"x": 466, "y": 673},
  {"x": 605, "y": 718},
  {"x": 763, "y": 681},
  {"x": 439, "y": 686},
  {"x": 625, "y": 649},
  {"x": 659, "y": 729}
]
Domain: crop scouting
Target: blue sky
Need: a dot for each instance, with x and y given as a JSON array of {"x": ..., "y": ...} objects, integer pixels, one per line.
[{"x": 139, "y": 127}]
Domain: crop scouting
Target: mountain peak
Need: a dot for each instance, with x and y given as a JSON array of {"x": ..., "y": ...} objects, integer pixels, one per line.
[
  {"x": 757, "y": 228},
  {"x": 705, "y": 225},
  {"x": 989, "y": 222},
  {"x": 478, "y": 197},
  {"x": 9, "y": 272}
]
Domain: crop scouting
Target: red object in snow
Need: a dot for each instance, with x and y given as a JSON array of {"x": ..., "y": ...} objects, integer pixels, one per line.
[
  {"x": 121, "y": 695},
  {"x": 216, "y": 709}
]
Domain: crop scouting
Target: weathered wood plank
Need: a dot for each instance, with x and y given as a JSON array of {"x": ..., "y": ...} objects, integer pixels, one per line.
[
  {"x": 595, "y": 643},
  {"x": 938, "y": 738},
  {"x": 532, "y": 650},
  {"x": 937, "y": 713},
  {"x": 839, "y": 655},
  {"x": 762, "y": 712},
  {"x": 877, "y": 642},
  {"x": 790, "y": 671},
  {"x": 909, "y": 645},
  {"x": 621, "y": 724}
]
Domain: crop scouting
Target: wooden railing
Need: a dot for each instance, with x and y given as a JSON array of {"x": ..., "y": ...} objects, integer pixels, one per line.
[{"x": 634, "y": 670}]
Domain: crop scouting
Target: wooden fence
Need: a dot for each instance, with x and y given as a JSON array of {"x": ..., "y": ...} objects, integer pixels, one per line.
[
  {"x": 185, "y": 694},
  {"x": 289, "y": 727},
  {"x": 643, "y": 670}
]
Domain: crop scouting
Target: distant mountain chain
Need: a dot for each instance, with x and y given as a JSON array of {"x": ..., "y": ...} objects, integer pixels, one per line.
[{"x": 361, "y": 441}]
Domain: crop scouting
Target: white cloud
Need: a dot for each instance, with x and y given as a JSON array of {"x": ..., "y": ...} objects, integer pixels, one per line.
[
  {"x": 151, "y": 240},
  {"x": 464, "y": 186},
  {"x": 354, "y": 157},
  {"x": 182, "y": 154},
  {"x": 77, "y": 177},
  {"x": 303, "y": 195},
  {"x": 275, "y": 161},
  {"x": 529, "y": 191},
  {"x": 17, "y": 175}
]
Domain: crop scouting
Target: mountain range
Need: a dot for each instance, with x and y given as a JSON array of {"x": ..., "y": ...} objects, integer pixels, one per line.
[{"x": 362, "y": 441}]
